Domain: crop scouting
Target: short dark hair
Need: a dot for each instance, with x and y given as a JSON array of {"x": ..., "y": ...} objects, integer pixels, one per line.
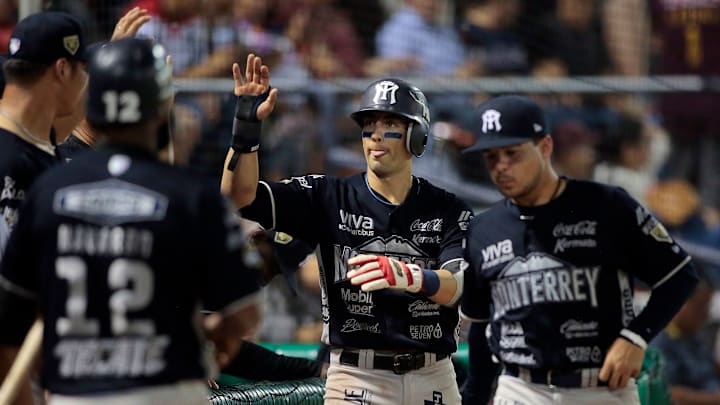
[
  {"x": 22, "y": 71},
  {"x": 26, "y": 72}
]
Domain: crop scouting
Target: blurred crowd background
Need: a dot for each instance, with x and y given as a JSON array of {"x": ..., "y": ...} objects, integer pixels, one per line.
[{"x": 662, "y": 146}]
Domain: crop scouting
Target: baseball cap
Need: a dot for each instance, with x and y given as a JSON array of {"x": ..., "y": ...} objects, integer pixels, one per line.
[
  {"x": 507, "y": 121},
  {"x": 290, "y": 253},
  {"x": 47, "y": 36}
]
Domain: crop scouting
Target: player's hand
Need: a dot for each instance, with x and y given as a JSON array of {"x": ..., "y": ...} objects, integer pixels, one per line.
[
  {"x": 129, "y": 24},
  {"x": 622, "y": 362},
  {"x": 255, "y": 82},
  {"x": 373, "y": 272}
]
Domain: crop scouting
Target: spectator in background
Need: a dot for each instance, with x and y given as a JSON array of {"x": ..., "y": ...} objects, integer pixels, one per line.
[
  {"x": 191, "y": 40},
  {"x": 571, "y": 36},
  {"x": 626, "y": 29},
  {"x": 689, "y": 32},
  {"x": 486, "y": 32},
  {"x": 252, "y": 33},
  {"x": 689, "y": 367},
  {"x": 368, "y": 16},
  {"x": 325, "y": 38},
  {"x": 574, "y": 154},
  {"x": 415, "y": 42},
  {"x": 8, "y": 19},
  {"x": 292, "y": 143},
  {"x": 631, "y": 153}
]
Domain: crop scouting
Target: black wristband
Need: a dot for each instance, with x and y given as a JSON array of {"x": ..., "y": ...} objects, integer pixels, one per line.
[
  {"x": 246, "y": 127},
  {"x": 246, "y": 136}
]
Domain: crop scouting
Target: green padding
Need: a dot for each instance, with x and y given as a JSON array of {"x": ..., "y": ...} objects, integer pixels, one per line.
[
  {"x": 309, "y": 391},
  {"x": 303, "y": 350},
  {"x": 652, "y": 387}
]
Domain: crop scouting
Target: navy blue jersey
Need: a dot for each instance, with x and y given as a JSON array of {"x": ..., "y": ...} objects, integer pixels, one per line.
[
  {"x": 556, "y": 281},
  {"x": 20, "y": 164},
  {"x": 121, "y": 252},
  {"x": 344, "y": 217},
  {"x": 73, "y": 145}
]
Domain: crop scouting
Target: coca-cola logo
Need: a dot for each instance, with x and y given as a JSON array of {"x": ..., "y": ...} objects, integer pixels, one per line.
[
  {"x": 433, "y": 225},
  {"x": 582, "y": 228}
]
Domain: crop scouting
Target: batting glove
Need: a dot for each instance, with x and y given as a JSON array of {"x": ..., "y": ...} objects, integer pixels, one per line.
[{"x": 373, "y": 272}]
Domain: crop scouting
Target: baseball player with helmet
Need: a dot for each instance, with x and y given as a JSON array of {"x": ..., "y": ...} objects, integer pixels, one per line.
[
  {"x": 98, "y": 254},
  {"x": 551, "y": 269},
  {"x": 389, "y": 245}
]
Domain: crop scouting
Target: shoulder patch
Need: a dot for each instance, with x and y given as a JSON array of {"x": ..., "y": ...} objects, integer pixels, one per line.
[{"x": 282, "y": 238}]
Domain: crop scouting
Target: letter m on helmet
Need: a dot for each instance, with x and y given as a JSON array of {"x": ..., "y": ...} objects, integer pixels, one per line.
[{"x": 385, "y": 92}]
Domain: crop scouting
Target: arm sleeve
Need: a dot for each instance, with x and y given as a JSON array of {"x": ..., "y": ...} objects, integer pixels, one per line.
[
  {"x": 482, "y": 371},
  {"x": 255, "y": 362},
  {"x": 664, "y": 303},
  {"x": 655, "y": 258}
]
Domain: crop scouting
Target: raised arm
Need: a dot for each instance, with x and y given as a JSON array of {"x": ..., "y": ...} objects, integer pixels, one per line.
[{"x": 255, "y": 101}]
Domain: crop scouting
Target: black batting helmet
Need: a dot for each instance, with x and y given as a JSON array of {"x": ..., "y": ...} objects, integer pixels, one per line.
[
  {"x": 399, "y": 97},
  {"x": 129, "y": 81}
]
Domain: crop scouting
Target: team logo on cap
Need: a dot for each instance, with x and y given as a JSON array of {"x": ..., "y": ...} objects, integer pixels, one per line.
[
  {"x": 14, "y": 45},
  {"x": 71, "y": 44},
  {"x": 385, "y": 92},
  {"x": 491, "y": 121},
  {"x": 282, "y": 238}
]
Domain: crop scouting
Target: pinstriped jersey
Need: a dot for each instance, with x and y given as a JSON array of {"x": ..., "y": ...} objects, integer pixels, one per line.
[
  {"x": 344, "y": 218},
  {"x": 120, "y": 252},
  {"x": 556, "y": 281}
]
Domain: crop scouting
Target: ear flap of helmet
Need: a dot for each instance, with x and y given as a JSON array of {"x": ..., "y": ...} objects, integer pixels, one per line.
[{"x": 416, "y": 139}]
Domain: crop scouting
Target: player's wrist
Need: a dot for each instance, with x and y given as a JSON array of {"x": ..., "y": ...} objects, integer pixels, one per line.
[
  {"x": 634, "y": 338},
  {"x": 245, "y": 136},
  {"x": 246, "y": 127},
  {"x": 430, "y": 283}
]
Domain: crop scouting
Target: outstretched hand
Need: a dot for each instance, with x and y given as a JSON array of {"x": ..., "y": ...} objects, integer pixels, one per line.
[
  {"x": 129, "y": 24},
  {"x": 255, "y": 82}
]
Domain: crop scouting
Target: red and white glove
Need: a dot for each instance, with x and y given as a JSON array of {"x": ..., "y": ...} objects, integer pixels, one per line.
[{"x": 373, "y": 272}]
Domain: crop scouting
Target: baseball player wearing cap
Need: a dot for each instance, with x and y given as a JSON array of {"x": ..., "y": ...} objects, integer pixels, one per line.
[
  {"x": 96, "y": 252},
  {"x": 389, "y": 245},
  {"x": 73, "y": 131},
  {"x": 551, "y": 270},
  {"x": 45, "y": 79}
]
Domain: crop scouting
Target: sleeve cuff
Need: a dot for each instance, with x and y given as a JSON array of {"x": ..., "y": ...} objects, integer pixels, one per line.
[{"x": 634, "y": 338}]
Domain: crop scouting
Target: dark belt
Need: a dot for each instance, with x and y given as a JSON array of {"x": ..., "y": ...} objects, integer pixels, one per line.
[
  {"x": 398, "y": 363},
  {"x": 580, "y": 378}
]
